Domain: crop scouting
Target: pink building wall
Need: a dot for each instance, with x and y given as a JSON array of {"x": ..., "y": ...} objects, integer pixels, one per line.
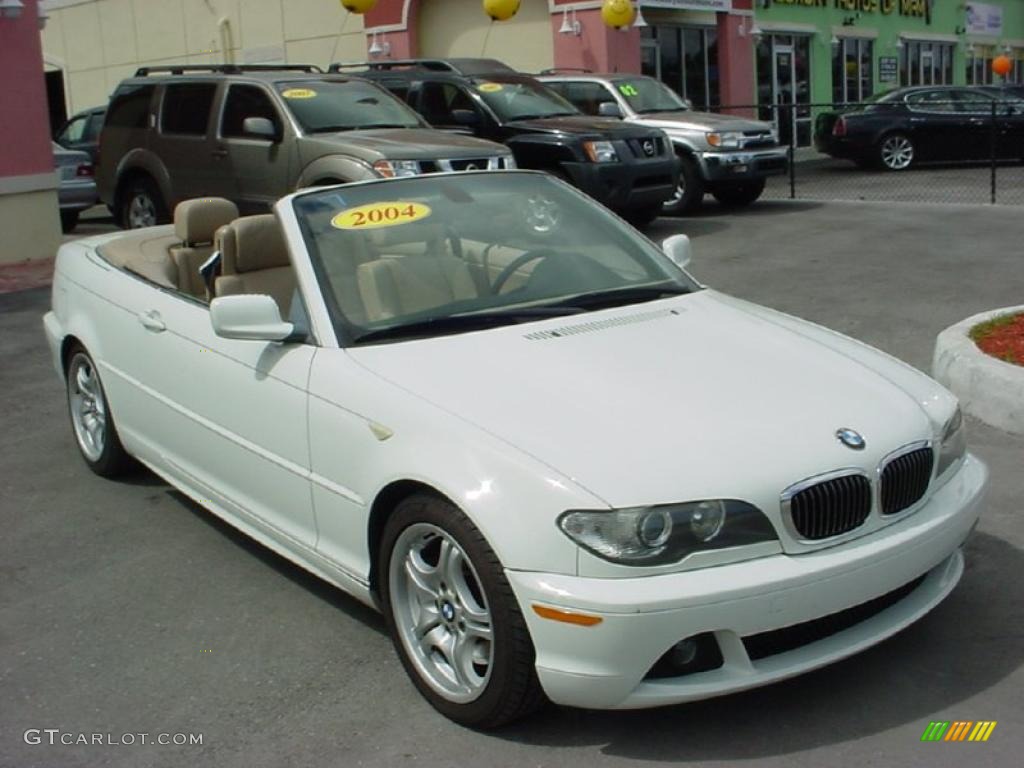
[
  {"x": 24, "y": 123},
  {"x": 598, "y": 47}
]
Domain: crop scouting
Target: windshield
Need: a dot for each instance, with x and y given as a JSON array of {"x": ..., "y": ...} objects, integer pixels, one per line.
[
  {"x": 523, "y": 100},
  {"x": 429, "y": 256},
  {"x": 646, "y": 94},
  {"x": 322, "y": 106}
]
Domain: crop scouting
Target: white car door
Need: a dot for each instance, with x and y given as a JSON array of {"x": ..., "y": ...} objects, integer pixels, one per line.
[{"x": 228, "y": 417}]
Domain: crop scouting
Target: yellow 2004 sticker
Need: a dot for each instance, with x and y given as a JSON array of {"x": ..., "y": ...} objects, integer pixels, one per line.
[
  {"x": 299, "y": 93},
  {"x": 489, "y": 87},
  {"x": 378, "y": 215}
]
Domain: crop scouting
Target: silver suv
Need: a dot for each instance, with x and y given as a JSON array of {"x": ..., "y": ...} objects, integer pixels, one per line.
[
  {"x": 728, "y": 156},
  {"x": 253, "y": 134}
]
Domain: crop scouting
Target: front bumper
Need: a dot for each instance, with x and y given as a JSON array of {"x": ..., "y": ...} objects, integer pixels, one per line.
[
  {"x": 627, "y": 185},
  {"x": 604, "y": 666},
  {"x": 741, "y": 166}
]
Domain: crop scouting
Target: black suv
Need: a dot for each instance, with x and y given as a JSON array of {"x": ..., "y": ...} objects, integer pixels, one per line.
[{"x": 631, "y": 169}]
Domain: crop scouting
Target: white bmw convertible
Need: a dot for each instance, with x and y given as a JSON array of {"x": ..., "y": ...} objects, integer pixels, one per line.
[{"x": 560, "y": 466}]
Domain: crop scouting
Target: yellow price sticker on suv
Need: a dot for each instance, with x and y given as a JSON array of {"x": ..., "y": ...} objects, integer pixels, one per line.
[
  {"x": 379, "y": 215},
  {"x": 489, "y": 87},
  {"x": 299, "y": 93}
]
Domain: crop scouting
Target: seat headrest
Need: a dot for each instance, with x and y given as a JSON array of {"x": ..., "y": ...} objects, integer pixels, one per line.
[
  {"x": 196, "y": 221},
  {"x": 252, "y": 243}
]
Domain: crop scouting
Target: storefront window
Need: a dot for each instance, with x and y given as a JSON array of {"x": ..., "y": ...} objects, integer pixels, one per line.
[
  {"x": 926, "y": 63},
  {"x": 784, "y": 85},
  {"x": 686, "y": 60},
  {"x": 1017, "y": 73},
  {"x": 979, "y": 64},
  {"x": 852, "y": 70}
]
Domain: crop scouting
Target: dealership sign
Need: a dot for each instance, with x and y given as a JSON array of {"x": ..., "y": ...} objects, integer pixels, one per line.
[
  {"x": 689, "y": 5},
  {"x": 984, "y": 19},
  {"x": 919, "y": 8}
]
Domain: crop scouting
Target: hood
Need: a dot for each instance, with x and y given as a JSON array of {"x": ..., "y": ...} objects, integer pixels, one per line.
[
  {"x": 400, "y": 144},
  {"x": 700, "y": 121},
  {"x": 667, "y": 401},
  {"x": 583, "y": 127}
]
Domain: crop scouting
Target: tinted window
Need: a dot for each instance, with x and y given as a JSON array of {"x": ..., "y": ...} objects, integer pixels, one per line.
[
  {"x": 586, "y": 97},
  {"x": 246, "y": 101},
  {"x": 438, "y": 100},
  {"x": 522, "y": 99},
  {"x": 93, "y": 126},
  {"x": 931, "y": 101},
  {"x": 186, "y": 108},
  {"x": 130, "y": 106},
  {"x": 323, "y": 106},
  {"x": 969, "y": 101},
  {"x": 73, "y": 131}
]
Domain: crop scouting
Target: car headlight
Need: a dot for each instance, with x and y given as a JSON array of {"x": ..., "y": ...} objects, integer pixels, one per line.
[
  {"x": 724, "y": 140},
  {"x": 666, "y": 533},
  {"x": 393, "y": 169},
  {"x": 953, "y": 446},
  {"x": 601, "y": 151}
]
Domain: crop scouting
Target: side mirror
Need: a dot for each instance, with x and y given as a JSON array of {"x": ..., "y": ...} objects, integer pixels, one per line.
[
  {"x": 250, "y": 317},
  {"x": 609, "y": 109},
  {"x": 466, "y": 117},
  {"x": 259, "y": 128},
  {"x": 679, "y": 250}
]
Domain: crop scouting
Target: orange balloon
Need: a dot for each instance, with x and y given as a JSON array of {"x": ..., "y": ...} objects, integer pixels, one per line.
[{"x": 1002, "y": 65}]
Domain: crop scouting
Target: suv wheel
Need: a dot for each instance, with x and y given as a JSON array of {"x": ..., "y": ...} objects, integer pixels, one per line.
[
  {"x": 689, "y": 193},
  {"x": 738, "y": 194},
  {"x": 142, "y": 205}
]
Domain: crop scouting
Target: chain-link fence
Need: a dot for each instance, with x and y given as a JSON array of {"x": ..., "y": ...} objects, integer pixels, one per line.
[{"x": 968, "y": 150}]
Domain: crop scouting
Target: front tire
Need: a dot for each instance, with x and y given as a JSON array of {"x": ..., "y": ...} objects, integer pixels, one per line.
[
  {"x": 739, "y": 194},
  {"x": 91, "y": 419},
  {"x": 896, "y": 152},
  {"x": 690, "y": 192},
  {"x": 142, "y": 205},
  {"x": 453, "y": 617}
]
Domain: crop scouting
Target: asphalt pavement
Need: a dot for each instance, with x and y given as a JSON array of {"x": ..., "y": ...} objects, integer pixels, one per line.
[{"x": 127, "y": 609}]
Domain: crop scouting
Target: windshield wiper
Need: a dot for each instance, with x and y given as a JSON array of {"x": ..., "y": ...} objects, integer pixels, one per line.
[
  {"x": 617, "y": 297},
  {"x": 473, "y": 321}
]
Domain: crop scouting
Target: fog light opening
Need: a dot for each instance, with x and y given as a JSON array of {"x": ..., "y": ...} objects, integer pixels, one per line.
[{"x": 698, "y": 653}]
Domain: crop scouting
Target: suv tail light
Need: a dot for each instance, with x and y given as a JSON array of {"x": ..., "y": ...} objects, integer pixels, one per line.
[
  {"x": 839, "y": 129},
  {"x": 85, "y": 170}
]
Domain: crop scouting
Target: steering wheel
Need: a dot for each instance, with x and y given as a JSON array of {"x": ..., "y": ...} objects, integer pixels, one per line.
[{"x": 516, "y": 263}]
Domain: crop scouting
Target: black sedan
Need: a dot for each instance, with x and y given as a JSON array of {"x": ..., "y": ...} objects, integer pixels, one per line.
[{"x": 925, "y": 124}]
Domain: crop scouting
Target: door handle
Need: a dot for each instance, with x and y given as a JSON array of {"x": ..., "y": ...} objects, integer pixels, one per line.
[
  {"x": 152, "y": 321},
  {"x": 220, "y": 152}
]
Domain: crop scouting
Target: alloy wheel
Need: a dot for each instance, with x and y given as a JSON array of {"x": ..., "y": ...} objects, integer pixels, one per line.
[
  {"x": 141, "y": 211},
  {"x": 897, "y": 152},
  {"x": 88, "y": 409}
]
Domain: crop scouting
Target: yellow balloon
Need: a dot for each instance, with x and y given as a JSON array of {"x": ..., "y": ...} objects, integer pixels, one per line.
[
  {"x": 617, "y": 13},
  {"x": 501, "y": 10},
  {"x": 359, "y": 6}
]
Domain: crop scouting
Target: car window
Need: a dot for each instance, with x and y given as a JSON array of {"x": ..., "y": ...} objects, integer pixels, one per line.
[
  {"x": 244, "y": 101},
  {"x": 73, "y": 131},
  {"x": 323, "y": 106},
  {"x": 129, "y": 107},
  {"x": 938, "y": 101},
  {"x": 186, "y": 108},
  {"x": 974, "y": 102},
  {"x": 585, "y": 96},
  {"x": 439, "y": 100},
  {"x": 93, "y": 125},
  {"x": 412, "y": 251},
  {"x": 647, "y": 95},
  {"x": 522, "y": 99}
]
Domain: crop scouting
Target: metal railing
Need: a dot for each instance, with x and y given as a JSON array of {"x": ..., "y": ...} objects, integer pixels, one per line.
[{"x": 958, "y": 155}]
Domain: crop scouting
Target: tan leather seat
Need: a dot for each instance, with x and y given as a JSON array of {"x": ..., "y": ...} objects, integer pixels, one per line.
[
  {"x": 195, "y": 223},
  {"x": 254, "y": 259},
  {"x": 391, "y": 287}
]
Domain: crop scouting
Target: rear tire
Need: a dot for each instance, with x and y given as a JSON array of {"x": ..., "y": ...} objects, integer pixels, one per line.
[
  {"x": 141, "y": 205},
  {"x": 738, "y": 194},
  {"x": 91, "y": 419},
  {"x": 690, "y": 192},
  {"x": 453, "y": 617},
  {"x": 68, "y": 221},
  {"x": 896, "y": 152}
]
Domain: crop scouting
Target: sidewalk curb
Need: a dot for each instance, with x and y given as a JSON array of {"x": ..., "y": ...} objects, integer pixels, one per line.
[{"x": 989, "y": 389}]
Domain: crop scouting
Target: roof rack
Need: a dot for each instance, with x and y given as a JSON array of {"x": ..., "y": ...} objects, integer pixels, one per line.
[
  {"x": 556, "y": 70},
  {"x": 460, "y": 66},
  {"x": 226, "y": 69}
]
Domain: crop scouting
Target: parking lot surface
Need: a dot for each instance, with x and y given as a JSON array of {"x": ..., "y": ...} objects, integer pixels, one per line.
[{"x": 127, "y": 609}]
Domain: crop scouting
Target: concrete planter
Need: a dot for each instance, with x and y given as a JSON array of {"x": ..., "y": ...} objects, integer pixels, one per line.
[{"x": 989, "y": 389}]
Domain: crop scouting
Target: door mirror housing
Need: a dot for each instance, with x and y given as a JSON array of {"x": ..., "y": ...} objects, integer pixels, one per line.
[
  {"x": 259, "y": 128},
  {"x": 609, "y": 109},
  {"x": 679, "y": 250},
  {"x": 249, "y": 317},
  {"x": 466, "y": 117}
]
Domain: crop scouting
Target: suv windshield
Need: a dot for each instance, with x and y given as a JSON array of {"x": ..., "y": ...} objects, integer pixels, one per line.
[
  {"x": 522, "y": 100},
  {"x": 646, "y": 95},
  {"x": 322, "y": 106},
  {"x": 428, "y": 256}
]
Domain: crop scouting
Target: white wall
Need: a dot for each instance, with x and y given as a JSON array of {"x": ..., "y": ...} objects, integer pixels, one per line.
[{"x": 99, "y": 42}]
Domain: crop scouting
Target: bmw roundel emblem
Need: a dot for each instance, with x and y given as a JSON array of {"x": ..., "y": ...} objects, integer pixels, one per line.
[{"x": 851, "y": 438}]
